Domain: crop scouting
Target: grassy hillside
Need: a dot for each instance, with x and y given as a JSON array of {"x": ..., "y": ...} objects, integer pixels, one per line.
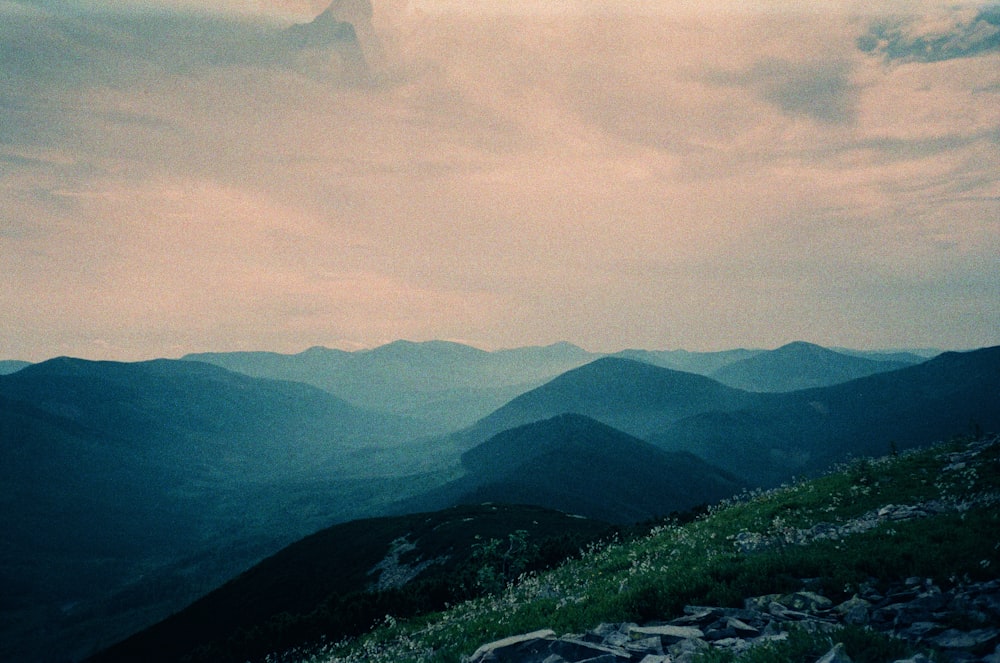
[
  {"x": 709, "y": 561},
  {"x": 344, "y": 578}
]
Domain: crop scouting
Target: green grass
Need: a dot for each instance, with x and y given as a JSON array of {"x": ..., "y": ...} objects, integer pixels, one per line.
[{"x": 655, "y": 575}]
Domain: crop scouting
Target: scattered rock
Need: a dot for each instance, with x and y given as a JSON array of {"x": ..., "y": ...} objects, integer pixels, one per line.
[
  {"x": 667, "y": 633},
  {"x": 573, "y": 649},
  {"x": 528, "y": 648},
  {"x": 974, "y": 641},
  {"x": 919, "y": 658},
  {"x": 836, "y": 655},
  {"x": 809, "y": 601},
  {"x": 914, "y": 609},
  {"x": 855, "y": 610},
  {"x": 920, "y": 631},
  {"x": 646, "y": 646},
  {"x": 741, "y": 628}
]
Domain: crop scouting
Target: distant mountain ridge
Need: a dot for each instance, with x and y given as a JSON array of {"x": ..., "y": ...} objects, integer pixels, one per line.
[
  {"x": 702, "y": 363},
  {"x": 8, "y": 366},
  {"x": 449, "y": 385},
  {"x": 911, "y": 356},
  {"x": 632, "y": 396},
  {"x": 798, "y": 366},
  {"x": 779, "y": 435},
  {"x": 129, "y": 489},
  {"x": 165, "y": 392}
]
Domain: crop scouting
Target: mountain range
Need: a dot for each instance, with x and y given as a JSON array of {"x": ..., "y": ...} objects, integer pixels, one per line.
[
  {"x": 779, "y": 436},
  {"x": 342, "y": 579},
  {"x": 802, "y": 366},
  {"x": 629, "y": 395},
  {"x": 132, "y": 489},
  {"x": 448, "y": 385},
  {"x": 129, "y": 489},
  {"x": 575, "y": 464}
]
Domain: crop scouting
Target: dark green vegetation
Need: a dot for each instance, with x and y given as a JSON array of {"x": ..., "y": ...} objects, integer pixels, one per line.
[
  {"x": 575, "y": 464},
  {"x": 342, "y": 580},
  {"x": 652, "y": 577}
]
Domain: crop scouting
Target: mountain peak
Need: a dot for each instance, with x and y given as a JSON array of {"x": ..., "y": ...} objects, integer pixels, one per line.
[
  {"x": 577, "y": 464},
  {"x": 426, "y": 349},
  {"x": 629, "y": 395},
  {"x": 798, "y": 365},
  {"x": 801, "y": 346},
  {"x": 348, "y": 11}
]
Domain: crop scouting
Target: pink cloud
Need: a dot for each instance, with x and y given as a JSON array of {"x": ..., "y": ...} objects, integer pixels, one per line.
[{"x": 698, "y": 178}]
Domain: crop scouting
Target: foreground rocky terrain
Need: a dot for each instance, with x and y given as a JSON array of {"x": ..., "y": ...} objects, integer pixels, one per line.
[
  {"x": 916, "y": 611},
  {"x": 886, "y": 560},
  {"x": 959, "y": 624}
]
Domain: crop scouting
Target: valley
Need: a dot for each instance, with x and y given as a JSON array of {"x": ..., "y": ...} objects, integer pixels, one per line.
[{"x": 131, "y": 490}]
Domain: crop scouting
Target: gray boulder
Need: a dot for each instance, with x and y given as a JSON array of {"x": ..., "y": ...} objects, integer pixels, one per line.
[
  {"x": 836, "y": 655},
  {"x": 528, "y": 648},
  {"x": 668, "y": 633},
  {"x": 574, "y": 649},
  {"x": 977, "y": 640}
]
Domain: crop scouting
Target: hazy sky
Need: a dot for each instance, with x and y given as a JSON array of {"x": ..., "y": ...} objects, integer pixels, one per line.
[{"x": 188, "y": 175}]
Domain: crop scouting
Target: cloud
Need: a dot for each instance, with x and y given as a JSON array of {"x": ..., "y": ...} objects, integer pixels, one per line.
[
  {"x": 956, "y": 33},
  {"x": 820, "y": 90},
  {"x": 173, "y": 177},
  {"x": 70, "y": 45}
]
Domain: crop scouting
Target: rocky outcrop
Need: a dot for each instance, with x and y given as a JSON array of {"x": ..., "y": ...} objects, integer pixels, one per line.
[
  {"x": 750, "y": 542},
  {"x": 955, "y": 625},
  {"x": 961, "y": 624},
  {"x": 392, "y": 573}
]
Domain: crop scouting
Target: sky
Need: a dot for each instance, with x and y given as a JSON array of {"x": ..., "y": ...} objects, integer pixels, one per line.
[{"x": 182, "y": 176}]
